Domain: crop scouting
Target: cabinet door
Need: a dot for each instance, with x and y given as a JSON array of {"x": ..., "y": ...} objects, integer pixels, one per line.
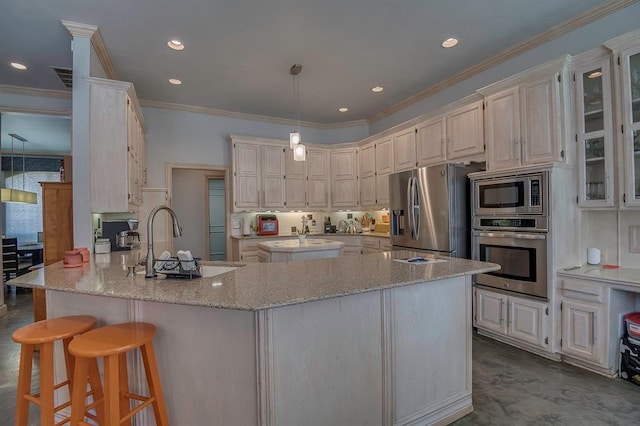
[
  {"x": 527, "y": 321},
  {"x": 630, "y": 69},
  {"x": 367, "y": 164},
  {"x": 344, "y": 178},
  {"x": 273, "y": 176},
  {"x": 382, "y": 190},
  {"x": 580, "y": 329},
  {"x": 491, "y": 311},
  {"x": 247, "y": 167},
  {"x": 317, "y": 178},
  {"x": 503, "y": 129},
  {"x": 295, "y": 182},
  {"x": 465, "y": 131},
  {"x": 384, "y": 156},
  {"x": 539, "y": 115},
  {"x": 430, "y": 141},
  {"x": 593, "y": 110},
  {"x": 404, "y": 150}
]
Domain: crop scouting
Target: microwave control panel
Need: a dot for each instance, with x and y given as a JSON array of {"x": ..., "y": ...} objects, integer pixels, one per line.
[{"x": 535, "y": 192}]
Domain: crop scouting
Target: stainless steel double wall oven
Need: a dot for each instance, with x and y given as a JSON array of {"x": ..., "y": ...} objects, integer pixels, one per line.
[{"x": 510, "y": 218}]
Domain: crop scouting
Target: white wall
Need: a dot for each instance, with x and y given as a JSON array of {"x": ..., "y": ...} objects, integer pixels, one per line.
[{"x": 189, "y": 196}]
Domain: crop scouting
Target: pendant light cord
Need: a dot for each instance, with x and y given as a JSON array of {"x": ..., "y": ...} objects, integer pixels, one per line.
[{"x": 12, "y": 162}]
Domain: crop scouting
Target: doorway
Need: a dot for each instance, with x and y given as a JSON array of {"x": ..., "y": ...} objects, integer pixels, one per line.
[{"x": 199, "y": 195}]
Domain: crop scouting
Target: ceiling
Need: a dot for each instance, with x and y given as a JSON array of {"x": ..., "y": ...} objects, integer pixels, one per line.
[{"x": 238, "y": 53}]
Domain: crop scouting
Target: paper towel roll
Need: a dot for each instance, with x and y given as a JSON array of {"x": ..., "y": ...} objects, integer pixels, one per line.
[
  {"x": 593, "y": 256},
  {"x": 246, "y": 226}
]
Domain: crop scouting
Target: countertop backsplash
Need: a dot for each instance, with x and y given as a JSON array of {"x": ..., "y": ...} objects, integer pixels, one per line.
[{"x": 287, "y": 220}]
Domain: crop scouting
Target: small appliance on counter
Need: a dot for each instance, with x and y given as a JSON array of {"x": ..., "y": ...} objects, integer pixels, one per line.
[
  {"x": 267, "y": 224},
  {"x": 122, "y": 234}
]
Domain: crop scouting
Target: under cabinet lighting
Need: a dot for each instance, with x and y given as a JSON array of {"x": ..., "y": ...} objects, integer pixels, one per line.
[
  {"x": 595, "y": 74},
  {"x": 18, "y": 66}
]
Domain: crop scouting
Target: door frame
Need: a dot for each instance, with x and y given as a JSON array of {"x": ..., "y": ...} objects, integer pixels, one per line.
[
  {"x": 217, "y": 176},
  {"x": 208, "y": 170}
]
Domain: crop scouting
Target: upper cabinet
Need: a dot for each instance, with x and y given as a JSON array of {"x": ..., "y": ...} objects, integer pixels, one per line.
[
  {"x": 273, "y": 160},
  {"x": 404, "y": 149},
  {"x": 344, "y": 178},
  {"x": 375, "y": 163},
  {"x": 594, "y": 135},
  {"x": 430, "y": 141},
  {"x": 465, "y": 131},
  {"x": 630, "y": 69},
  {"x": 116, "y": 147},
  {"x": 317, "y": 167},
  {"x": 525, "y": 117},
  {"x": 245, "y": 165}
]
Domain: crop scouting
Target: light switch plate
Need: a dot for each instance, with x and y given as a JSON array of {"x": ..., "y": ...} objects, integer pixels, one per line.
[
  {"x": 235, "y": 225},
  {"x": 634, "y": 238}
]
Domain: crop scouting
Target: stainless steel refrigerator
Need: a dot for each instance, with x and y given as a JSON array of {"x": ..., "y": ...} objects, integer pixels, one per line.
[{"x": 430, "y": 209}]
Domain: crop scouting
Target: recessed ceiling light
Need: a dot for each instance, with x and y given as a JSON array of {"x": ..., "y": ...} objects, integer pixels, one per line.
[
  {"x": 595, "y": 74},
  {"x": 175, "y": 44},
  {"x": 175, "y": 81},
  {"x": 18, "y": 66},
  {"x": 377, "y": 89},
  {"x": 343, "y": 109},
  {"x": 450, "y": 42}
]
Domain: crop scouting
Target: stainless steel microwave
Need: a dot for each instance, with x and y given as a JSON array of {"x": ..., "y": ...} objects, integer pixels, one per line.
[{"x": 511, "y": 195}]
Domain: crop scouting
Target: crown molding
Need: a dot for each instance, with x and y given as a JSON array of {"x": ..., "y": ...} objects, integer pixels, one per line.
[
  {"x": 42, "y": 111},
  {"x": 93, "y": 33},
  {"x": 580, "y": 20},
  {"x": 243, "y": 116},
  {"x": 32, "y": 91}
]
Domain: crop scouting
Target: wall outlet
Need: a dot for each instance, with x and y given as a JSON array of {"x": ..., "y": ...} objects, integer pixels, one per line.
[
  {"x": 634, "y": 238},
  {"x": 235, "y": 225},
  {"x": 349, "y": 215}
]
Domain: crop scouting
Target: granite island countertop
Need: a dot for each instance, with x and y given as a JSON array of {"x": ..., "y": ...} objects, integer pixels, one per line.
[
  {"x": 313, "y": 235},
  {"x": 253, "y": 286},
  {"x": 311, "y": 244}
]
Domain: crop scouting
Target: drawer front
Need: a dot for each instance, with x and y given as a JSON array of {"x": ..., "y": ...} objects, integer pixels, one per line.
[
  {"x": 385, "y": 244},
  {"x": 371, "y": 242},
  {"x": 582, "y": 290},
  {"x": 249, "y": 245}
]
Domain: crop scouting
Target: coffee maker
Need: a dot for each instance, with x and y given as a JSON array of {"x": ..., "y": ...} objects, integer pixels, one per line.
[{"x": 123, "y": 234}]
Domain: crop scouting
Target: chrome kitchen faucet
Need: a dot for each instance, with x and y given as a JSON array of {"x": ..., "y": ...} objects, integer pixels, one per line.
[{"x": 177, "y": 232}]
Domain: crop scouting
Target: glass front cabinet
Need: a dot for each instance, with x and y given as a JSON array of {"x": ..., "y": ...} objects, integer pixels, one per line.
[
  {"x": 630, "y": 97},
  {"x": 594, "y": 136}
]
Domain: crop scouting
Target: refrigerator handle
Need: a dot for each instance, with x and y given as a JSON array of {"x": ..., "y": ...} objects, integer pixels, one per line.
[
  {"x": 410, "y": 206},
  {"x": 416, "y": 205}
]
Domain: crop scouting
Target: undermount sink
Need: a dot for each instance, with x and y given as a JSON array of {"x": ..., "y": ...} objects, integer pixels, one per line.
[{"x": 212, "y": 271}]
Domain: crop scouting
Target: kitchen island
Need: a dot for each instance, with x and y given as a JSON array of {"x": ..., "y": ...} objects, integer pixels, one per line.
[
  {"x": 292, "y": 250},
  {"x": 342, "y": 341}
]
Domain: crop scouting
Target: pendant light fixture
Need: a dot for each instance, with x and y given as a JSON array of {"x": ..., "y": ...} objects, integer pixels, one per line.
[
  {"x": 12, "y": 195},
  {"x": 299, "y": 150}
]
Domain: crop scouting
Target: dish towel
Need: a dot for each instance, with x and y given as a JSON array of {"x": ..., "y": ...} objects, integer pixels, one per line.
[{"x": 186, "y": 260}]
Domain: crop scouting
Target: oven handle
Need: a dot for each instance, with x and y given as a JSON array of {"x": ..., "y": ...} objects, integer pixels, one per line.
[{"x": 512, "y": 235}]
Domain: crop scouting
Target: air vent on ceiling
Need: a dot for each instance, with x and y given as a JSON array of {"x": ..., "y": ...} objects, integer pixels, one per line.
[{"x": 65, "y": 75}]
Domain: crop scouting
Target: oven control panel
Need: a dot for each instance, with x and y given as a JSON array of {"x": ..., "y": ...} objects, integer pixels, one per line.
[{"x": 516, "y": 223}]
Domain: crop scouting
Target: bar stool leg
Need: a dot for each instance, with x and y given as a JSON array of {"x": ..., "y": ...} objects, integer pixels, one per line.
[
  {"x": 96, "y": 388},
  {"x": 111, "y": 390},
  {"x": 78, "y": 398},
  {"x": 69, "y": 363},
  {"x": 24, "y": 384},
  {"x": 155, "y": 387},
  {"x": 125, "y": 403},
  {"x": 46, "y": 384}
]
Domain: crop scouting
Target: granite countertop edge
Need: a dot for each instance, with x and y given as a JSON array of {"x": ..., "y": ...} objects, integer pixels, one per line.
[
  {"x": 251, "y": 287},
  {"x": 313, "y": 234},
  {"x": 620, "y": 275}
]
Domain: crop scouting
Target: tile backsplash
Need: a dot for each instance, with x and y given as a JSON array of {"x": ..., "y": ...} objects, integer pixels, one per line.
[
  {"x": 609, "y": 231},
  {"x": 287, "y": 220}
]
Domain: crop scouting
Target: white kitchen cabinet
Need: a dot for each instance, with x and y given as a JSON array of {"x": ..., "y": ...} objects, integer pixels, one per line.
[
  {"x": 273, "y": 169},
  {"x": 344, "y": 178},
  {"x": 465, "y": 131},
  {"x": 246, "y": 175},
  {"x": 525, "y": 117},
  {"x": 352, "y": 243},
  {"x": 594, "y": 132},
  {"x": 581, "y": 327},
  {"x": 367, "y": 175},
  {"x": 317, "y": 165},
  {"x": 515, "y": 318},
  {"x": 384, "y": 167},
  {"x": 404, "y": 149},
  {"x": 295, "y": 182},
  {"x": 430, "y": 141},
  {"x": 116, "y": 141}
]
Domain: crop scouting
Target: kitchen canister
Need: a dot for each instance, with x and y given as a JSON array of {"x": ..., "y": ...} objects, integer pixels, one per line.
[
  {"x": 102, "y": 245},
  {"x": 593, "y": 256}
]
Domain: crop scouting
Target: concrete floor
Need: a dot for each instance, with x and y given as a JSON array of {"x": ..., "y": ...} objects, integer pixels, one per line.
[{"x": 510, "y": 386}]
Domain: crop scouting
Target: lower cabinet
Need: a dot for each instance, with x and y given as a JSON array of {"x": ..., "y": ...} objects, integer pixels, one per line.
[
  {"x": 516, "y": 318},
  {"x": 582, "y": 325}
]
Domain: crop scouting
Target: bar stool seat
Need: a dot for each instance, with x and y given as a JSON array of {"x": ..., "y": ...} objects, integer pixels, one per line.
[
  {"x": 44, "y": 334},
  {"x": 112, "y": 343}
]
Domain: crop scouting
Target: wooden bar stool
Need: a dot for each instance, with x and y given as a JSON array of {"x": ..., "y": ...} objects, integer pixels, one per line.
[
  {"x": 112, "y": 343},
  {"x": 45, "y": 333}
]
